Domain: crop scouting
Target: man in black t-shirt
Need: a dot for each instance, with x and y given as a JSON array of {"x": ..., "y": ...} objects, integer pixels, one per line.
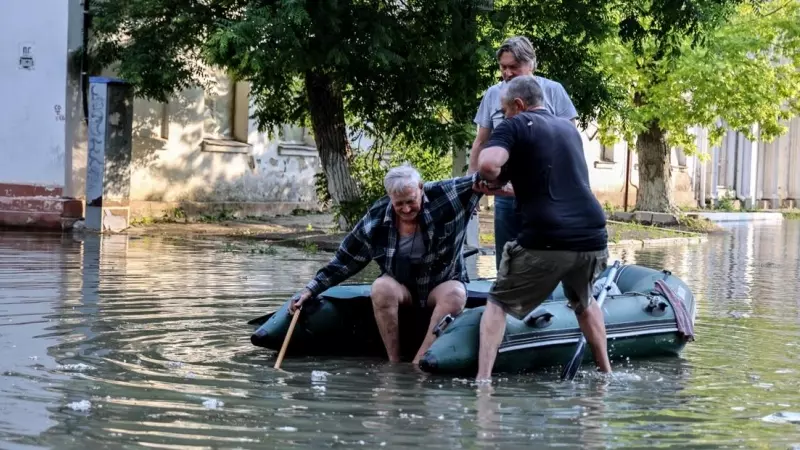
[{"x": 563, "y": 236}]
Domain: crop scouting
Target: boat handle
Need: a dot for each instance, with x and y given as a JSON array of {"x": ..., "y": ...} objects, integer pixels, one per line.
[
  {"x": 439, "y": 328},
  {"x": 534, "y": 317},
  {"x": 656, "y": 304}
]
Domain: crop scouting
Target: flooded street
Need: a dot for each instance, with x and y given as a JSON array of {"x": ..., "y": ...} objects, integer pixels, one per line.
[{"x": 127, "y": 342}]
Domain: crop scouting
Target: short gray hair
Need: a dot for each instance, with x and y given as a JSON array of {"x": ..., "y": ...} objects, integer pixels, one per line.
[
  {"x": 400, "y": 178},
  {"x": 521, "y": 48},
  {"x": 525, "y": 88}
]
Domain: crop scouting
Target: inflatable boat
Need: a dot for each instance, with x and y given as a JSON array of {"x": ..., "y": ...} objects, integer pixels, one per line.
[{"x": 647, "y": 313}]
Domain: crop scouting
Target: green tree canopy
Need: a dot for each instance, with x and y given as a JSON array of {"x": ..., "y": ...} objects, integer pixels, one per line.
[
  {"x": 411, "y": 69},
  {"x": 740, "y": 71}
]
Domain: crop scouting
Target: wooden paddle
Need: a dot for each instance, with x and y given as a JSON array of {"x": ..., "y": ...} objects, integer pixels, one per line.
[
  {"x": 575, "y": 363},
  {"x": 286, "y": 339}
]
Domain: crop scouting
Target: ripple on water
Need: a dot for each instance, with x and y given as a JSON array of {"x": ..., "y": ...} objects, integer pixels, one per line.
[{"x": 144, "y": 342}]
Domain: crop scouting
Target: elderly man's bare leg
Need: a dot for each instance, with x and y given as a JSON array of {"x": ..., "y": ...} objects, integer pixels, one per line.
[
  {"x": 449, "y": 297},
  {"x": 387, "y": 296}
]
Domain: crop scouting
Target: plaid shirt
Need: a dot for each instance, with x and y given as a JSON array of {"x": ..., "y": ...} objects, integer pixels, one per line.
[{"x": 447, "y": 207}]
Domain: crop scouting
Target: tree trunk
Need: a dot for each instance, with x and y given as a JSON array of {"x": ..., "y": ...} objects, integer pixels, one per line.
[
  {"x": 330, "y": 133},
  {"x": 655, "y": 172}
]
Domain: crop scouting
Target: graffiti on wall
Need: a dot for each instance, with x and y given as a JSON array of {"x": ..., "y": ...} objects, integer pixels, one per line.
[{"x": 26, "y": 60}]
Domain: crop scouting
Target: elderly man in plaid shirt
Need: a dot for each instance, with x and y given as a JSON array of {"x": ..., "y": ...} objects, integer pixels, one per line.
[{"x": 415, "y": 234}]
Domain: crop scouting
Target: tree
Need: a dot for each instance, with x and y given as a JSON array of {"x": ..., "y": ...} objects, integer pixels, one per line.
[
  {"x": 412, "y": 69},
  {"x": 389, "y": 66},
  {"x": 719, "y": 61}
]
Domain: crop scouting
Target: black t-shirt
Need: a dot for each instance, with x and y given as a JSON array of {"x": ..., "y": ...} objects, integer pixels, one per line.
[{"x": 548, "y": 170}]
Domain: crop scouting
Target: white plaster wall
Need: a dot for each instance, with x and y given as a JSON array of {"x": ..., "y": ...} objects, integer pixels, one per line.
[
  {"x": 608, "y": 178},
  {"x": 178, "y": 168},
  {"x": 32, "y": 137}
]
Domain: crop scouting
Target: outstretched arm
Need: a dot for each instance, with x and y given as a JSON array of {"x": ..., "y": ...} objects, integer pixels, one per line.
[{"x": 350, "y": 258}]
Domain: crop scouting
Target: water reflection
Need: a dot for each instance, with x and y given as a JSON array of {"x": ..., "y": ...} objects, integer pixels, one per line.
[{"x": 115, "y": 341}]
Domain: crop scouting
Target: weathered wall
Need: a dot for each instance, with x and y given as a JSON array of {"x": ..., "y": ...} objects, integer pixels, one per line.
[
  {"x": 203, "y": 147},
  {"x": 33, "y": 34},
  {"x": 758, "y": 174},
  {"x": 33, "y": 139},
  {"x": 607, "y": 168}
]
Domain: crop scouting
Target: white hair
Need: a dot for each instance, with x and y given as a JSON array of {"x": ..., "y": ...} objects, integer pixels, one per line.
[
  {"x": 525, "y": 88},
  {"x": 400, "y": 178}
]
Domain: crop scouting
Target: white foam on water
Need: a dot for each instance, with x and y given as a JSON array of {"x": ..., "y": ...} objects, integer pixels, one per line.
[
  {"x": 212, "y": 403},
  {"x": 782, "y": 417},
  {"x": 289, "y": 429},
  {"x": 80, "y": 367},
  {"x": 624, "y": 376},
  {"x": 319, "y": 375},
  {"x": 83, "y": 406},
  {"x": 737, "y": 408}
]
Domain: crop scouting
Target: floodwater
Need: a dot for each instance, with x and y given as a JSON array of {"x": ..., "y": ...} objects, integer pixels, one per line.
[{"x": 118, "y": 342}]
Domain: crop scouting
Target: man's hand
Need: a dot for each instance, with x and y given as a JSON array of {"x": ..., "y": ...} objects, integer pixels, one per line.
[
  {"x": 298, "y": 300},
  {"x": 494, "y": 188}
]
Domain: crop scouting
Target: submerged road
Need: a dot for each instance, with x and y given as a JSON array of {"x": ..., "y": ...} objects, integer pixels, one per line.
[{"x": 121, "y": 342}]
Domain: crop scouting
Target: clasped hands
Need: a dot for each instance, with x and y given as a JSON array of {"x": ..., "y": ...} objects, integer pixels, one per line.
[{"x": 494, "y": 188}]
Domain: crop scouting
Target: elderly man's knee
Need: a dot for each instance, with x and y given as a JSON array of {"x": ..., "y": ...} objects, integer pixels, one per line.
[
  {"x": 451, "y": 296},
  {"x": 386, "y": 292}
]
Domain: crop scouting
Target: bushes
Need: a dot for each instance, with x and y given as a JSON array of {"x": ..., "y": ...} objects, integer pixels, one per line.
[{"x": 370, "y": 166}]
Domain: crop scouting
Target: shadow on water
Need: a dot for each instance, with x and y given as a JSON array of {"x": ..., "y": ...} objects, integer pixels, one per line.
[{"x": 118, "y": 342}]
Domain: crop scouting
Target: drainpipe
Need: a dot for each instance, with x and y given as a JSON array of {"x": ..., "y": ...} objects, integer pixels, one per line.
[
  {"x": 85, "y": 60},
  {"x": 627, "y": 179}
]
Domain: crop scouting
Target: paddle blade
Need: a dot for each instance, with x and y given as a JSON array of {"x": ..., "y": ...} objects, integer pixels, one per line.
[{"x": 571, "y": 369}]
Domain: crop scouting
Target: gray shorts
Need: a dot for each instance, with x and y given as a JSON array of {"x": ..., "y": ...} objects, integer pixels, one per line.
[{"x": 527, "y": 277}]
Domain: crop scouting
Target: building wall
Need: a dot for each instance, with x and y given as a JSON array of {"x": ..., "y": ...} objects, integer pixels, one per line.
[
  {"x": 32, "y": 139},
  {"x": 34, "y": 64},
  {"x": 608, "y": 166},
  {"x": 757, "y": 174},
  {"x": 174, "y": 157}
]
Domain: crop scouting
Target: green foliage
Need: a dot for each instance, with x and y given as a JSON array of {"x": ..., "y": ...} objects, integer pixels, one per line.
[
  {"x": 370, "y": 166},
  {"x": 565, "y": 36},
  {"x": 416, "y": 67},
  {"x": 744, "y": 73}
]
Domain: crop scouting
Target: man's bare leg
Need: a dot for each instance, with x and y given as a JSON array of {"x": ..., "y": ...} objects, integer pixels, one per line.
[
  {"x": 493, "y": 327},
  {"x": 387, "y": 296},
  {"x": 449, "y": 297},
  {"x": 594, "y": 328}
]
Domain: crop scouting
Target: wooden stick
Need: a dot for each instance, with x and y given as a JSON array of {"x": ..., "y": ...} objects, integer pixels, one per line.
[{"x": 286, "y": 339}]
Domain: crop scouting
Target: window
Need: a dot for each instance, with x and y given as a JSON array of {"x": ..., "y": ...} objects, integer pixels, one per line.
[
  {"x": 680, "y": 157},
  {"x": 295, "y": 140},
  {"x": 606, "y": 153},
  {"x": 226, "y": 120},
  {"x": 606, "y": 157}
]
